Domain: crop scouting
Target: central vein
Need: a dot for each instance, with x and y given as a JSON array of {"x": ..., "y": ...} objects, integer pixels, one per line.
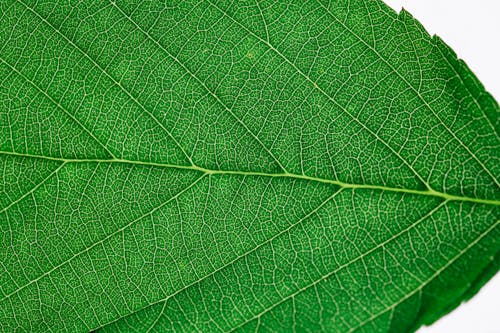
[{"x": 431, "y": 192}]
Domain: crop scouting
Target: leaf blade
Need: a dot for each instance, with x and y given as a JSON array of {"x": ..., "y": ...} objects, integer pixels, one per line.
[{"x": 303, "y": 138}]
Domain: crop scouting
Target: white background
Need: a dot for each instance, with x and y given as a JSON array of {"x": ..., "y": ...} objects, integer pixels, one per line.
[{"x": 472, "y": 29}]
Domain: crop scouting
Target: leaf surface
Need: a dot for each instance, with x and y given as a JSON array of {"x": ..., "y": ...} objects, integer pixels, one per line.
[{"x": 239, "y": 166}]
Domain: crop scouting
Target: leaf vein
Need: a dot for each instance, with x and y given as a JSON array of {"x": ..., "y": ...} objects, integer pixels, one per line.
[
  {"x": 415, "y": 91},
  {"x": 432, "y": 193},
  {"x": 194, "y": 76},
  {"x": 115, "y": 82},
  {"x": 125, "y": 227},
  {"x": 59, "y": 106},
  {"x": 323, "y": 92}
]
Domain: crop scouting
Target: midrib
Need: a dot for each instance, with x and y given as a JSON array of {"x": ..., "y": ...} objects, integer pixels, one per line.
[{"x": 431, "y": 193}]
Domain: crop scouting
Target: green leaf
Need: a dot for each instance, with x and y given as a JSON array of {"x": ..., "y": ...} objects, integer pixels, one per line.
[{"x": 233, "y": 166}]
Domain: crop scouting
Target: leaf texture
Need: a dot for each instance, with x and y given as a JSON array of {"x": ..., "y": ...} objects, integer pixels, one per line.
[{"x": 239, "y": 166}]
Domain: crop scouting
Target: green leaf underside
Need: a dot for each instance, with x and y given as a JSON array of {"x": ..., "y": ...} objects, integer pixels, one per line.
[{"x": 239, "y": 166}]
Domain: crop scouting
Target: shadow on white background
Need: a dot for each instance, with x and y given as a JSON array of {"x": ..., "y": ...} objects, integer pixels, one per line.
[{"x": 472, "y": 29}]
